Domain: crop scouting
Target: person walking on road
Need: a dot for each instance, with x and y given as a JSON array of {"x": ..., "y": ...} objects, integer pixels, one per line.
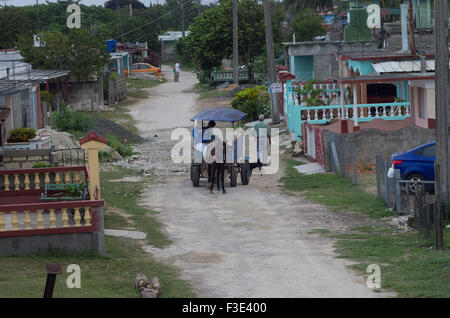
[
  {"x": 263, "y": 135},
  {"x": 176, "y": 71}
]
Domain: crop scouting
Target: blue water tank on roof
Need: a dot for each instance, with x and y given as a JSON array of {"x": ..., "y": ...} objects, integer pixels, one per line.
[{"x": 111, "y": 45}]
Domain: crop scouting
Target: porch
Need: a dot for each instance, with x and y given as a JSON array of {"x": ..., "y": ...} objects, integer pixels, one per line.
[
  {"x": 335, "y": 96},
  {"x": 53, "y": 207}
]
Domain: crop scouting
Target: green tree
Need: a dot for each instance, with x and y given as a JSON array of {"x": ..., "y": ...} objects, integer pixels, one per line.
[
  {"x": 307, "y": 25},
  {"x": 211, "y": 35},
  {"x": 112, "y": 4},
  {"x": 81, "y": 51},
  {"x": 14, "y": 22},
  {"x": 210, "y": 38}
]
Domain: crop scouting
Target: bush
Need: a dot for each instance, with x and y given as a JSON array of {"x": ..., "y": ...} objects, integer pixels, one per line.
[
  {"x": 48, "y": 98},
  {"x": 21, "y": 134},
  {"x": 43, "y": 165},
  {"x": 68, "y": 120},
  {"x": 253, "y": 101},
  {"x": 203, "y": 76},
  {"x": 122, "y": 149}
]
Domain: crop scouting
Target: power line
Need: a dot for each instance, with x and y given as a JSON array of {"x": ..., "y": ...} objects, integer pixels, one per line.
[
  {"x": 154, "y": 20},
  {"x": 191, "y": 16},
  {"x": 28, "y": 81}
]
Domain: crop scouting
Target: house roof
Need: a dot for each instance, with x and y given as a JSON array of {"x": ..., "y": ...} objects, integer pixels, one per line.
[
  {"x": 10, "y": 55},
  {"x": 172, "y": 35},
  {"x": 402, "y": 66},
  {"x": 20, "y": 81},
  {"x": 382, "y": 78}
]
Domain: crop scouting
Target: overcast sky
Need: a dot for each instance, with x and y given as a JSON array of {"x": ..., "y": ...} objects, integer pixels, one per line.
[{"x": 85, "y": 2}]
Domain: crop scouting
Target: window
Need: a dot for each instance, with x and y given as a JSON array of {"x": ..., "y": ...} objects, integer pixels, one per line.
[
  {"x": 429, "y": 151},
  {"x": 134, "y": 67},
  {"x": 421, "y": 103}
]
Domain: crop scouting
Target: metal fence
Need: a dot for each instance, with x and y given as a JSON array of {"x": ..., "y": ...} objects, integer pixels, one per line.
[
  {"x": 385, "y": 186},
  {"x": 401, "y": 195},
  {"x": 414, "y": 198},
  {"x": 71, "y": 157},
  {"x": 343, "y": 157}
]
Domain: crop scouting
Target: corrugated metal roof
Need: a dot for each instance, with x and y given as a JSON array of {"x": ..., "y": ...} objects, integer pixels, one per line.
[
  {"x": 8, "y": 55},
  {"x": 402, "y": 66}
]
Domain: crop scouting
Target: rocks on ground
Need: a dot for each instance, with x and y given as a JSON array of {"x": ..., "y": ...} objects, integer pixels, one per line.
[
  {"x": 146, "y": 288},
  {"x": 60, "y": 139},
  {"x": 147, "y": 76},
  {"x": 104, "y": 127},
  {"x": 298, "y": 149}
]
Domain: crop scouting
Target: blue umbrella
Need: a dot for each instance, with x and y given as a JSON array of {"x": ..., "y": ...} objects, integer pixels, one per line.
[{"x": 220, "y": 114}]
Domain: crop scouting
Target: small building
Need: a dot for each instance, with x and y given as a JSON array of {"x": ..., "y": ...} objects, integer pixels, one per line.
[
  {"x": 167, "y": 41},
  {"x": 138, "y": 51},
  {"x": 118, "y": 62},
  {"x": 20, "y": 88},
  {"x": 317, "y": 59}
]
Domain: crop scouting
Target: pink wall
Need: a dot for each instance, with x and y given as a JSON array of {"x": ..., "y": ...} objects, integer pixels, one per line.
[{"x": 421, "y": 122}]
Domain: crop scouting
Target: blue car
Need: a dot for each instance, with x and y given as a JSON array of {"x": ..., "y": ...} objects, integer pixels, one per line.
[{"x": 416, "y": 164}]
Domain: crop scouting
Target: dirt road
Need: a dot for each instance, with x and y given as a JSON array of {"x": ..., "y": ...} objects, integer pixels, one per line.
[{"x": 252, "y": 241}]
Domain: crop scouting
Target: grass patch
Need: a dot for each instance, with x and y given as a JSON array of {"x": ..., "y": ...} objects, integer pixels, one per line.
[
  {"x": 208, "y": 91},
  {"x": 139, "y": 83},
  {"x": 119, "y": 115},
  {"x": 137, "y": 93},
  {"x": 409, "y": 265},
  {"x": 333, "y": 191},
  {"x": 111, "y": 275},
  {"x": 125, "y": 196}
]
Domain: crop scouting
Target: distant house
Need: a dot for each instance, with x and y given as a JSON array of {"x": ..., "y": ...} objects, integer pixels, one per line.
[
  {"x": 167, "y": 41},
  {"x": 20, "y": 88},
  {"x": 118, "y": 62},
  {"x": 138, "y": 51},
  {"x": 317, "y": 59}
]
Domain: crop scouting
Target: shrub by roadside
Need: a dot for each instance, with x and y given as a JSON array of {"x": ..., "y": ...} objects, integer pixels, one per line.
[
  {"x": 253, "y": 101},
  {"x": 122, "y": 149},
  {"x": 71, "y": 121}
]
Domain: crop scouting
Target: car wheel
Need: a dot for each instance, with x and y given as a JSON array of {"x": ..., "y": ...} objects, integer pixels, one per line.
[{"x": 414, "y": 177}]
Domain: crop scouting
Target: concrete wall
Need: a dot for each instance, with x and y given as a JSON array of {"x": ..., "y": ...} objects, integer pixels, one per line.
[
  {"x": 81, "y": 94},
  {"x": 368, "y": 142},
  {"x": 74, "y": 242},
  {"x": 15, "y": 159},
  {"x": 117, "y": 90},
  {"x": 325, "y": 64}
]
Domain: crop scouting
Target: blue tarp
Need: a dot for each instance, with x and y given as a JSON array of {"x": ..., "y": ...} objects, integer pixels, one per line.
[{"x": 220, "y": 114}]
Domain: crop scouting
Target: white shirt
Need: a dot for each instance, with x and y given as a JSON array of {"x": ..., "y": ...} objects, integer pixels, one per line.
[{"x": 177, "y": 67}]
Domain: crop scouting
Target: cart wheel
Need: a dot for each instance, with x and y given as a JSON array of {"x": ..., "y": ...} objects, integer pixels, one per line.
[
  {"x": 245, "y": 173},
  {"x": 195, "y": 174},
  {"x": 233, "y": 176}
]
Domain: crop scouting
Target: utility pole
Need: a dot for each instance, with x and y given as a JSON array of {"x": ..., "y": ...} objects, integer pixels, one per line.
[
  {"x": 38, "y": 18},
  {"x": 270, "y": 59},
  {"x": 182, "y": 19},
  {"x": 131, "y": 10},
  {"x": 442, "y": 101},
  {"x": 412, "y": 43},
  {"x": 235, "y": 44},
  {"x": 199, "y": 8}
]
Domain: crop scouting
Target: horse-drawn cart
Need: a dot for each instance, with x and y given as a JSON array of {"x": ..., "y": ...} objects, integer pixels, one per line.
[{"x": 199, "y": 169}]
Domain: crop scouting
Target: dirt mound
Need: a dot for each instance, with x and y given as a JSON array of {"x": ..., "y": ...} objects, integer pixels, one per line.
[{"x": 104, "y": 127}]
